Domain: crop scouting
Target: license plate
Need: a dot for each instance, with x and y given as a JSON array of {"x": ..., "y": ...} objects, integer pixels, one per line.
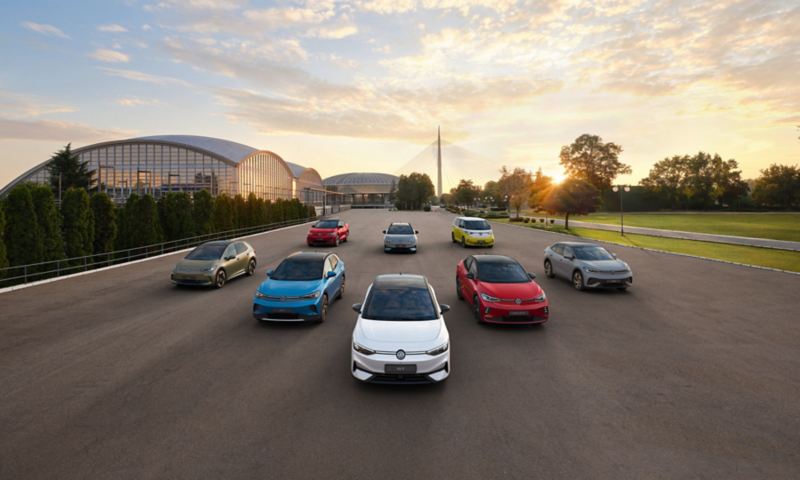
[
  {"x": 518, "y": 313},
  {"x": 400, "y": 369}
]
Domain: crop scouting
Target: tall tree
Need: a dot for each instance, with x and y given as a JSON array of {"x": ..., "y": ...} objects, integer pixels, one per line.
[
  {"x": 239, "y": 212},
  {"x": 105, "y": 222},
  {"x": 413, "y": 191},
  {"x": 78, "y": 223},
  {"x": 465, "y": 193},
  {"x": 590, "y": 159},
  {"x": 144, "y": 224},
  {"x": 22, "y": 234},
  {"x": 540, "y": 184},
  {"x": 175, "y": 215},
  {"x": 202, "y": 210},
  {"x": 223, "y": 216},
  {"x": 125, "y": 227},
  {"x": 67, "y": 166},
  {"x": 573, "y": 196},
  {"x": 492, "y": 189},
  {"x": 514, "y": 182},
  {"x": 778, "y": 187},
  {"x": 49, "y": 220}
]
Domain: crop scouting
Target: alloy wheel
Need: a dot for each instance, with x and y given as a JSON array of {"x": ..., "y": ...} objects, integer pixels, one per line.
[
  {"x": 577, "y": 280},
  {"x": 548, "y": 269},
  {"x": 220, "y": 279}
]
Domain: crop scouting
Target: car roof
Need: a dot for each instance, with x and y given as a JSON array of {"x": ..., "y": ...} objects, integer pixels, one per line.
[
  {"x": 309, "y": 255},
  {"x": 218, "y": 242},
  {"x": 328, "y": 219},
  {"x": 471, "y": 218},
  {"x": 399, "y": 223},
  {"x": 494, "y": 259},
  {"x": 390, "y": 280},
  {"x": 577, "y": 244}
]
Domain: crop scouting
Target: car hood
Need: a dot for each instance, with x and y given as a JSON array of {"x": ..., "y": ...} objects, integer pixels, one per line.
[
  {"x": 524, "y": 291},
  {"x": 404, "y": 238},
  {"x": 195, "y": 265},
  {"x": 289, "y": 288},
  {"x": 392, "y": 335},
  {"x": 479, "y": 233},
  {"x": 322, "y": 230},
  {"x": 605, "y": 265}
]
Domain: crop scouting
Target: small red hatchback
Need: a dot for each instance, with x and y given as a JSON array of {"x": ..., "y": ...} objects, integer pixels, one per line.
[
  {"x": 500, "y": 290},
  {"x": 328, "y": 232}
]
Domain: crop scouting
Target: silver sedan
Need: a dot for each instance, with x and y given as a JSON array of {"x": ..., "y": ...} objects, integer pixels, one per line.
[
  {"x": 587, "y": 265},
  {"x": 400, "y": 236}
]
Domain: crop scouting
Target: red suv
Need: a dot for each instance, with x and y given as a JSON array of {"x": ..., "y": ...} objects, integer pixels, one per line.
[{"x": 328, "y": 232}]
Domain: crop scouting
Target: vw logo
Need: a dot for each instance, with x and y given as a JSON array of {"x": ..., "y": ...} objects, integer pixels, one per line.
[
  {"x": 400, "y": 354},
  {"x": 517, "y": 301}
]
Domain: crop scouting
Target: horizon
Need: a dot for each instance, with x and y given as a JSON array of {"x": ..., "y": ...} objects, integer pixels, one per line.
[{"x": 365, "y": 83}]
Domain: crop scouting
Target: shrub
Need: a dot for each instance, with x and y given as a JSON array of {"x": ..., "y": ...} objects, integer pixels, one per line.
[{"x": 426, "y": 208}]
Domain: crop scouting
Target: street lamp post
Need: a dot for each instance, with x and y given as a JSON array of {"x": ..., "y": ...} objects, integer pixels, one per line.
[{"x": 620, "y": 188}]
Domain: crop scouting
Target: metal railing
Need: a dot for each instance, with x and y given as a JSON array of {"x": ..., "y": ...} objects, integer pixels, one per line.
[{"x": 21, "y": 274}]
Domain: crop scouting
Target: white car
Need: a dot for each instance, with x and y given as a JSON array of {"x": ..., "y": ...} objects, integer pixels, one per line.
[
  {"x": 400, "y": 236},
  {"x": 400, "y": 335}
]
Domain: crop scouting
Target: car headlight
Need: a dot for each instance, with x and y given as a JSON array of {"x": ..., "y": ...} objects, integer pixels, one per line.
[
  {"x": 363, "y": 350},
  {"x": 541, "y": 298},
  {"x": 333, "y": 234},
  {"x": 311, "y": 295},
  {"x": 210, "y": 269},
  {"x": 489, "y": 298},
  {"x": 261, "y": 295},
  {"x": 438, "y": 350}
]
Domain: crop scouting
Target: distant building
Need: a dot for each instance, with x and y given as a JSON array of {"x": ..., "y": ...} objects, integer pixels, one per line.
[
  {"x": 364, "y": 189},
  {"x": 187, "y": 163}
]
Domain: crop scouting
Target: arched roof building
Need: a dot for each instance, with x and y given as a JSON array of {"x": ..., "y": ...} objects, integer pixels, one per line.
[
  {"x": 364, "y": 188},
  {"x": 165, "y": 163}
]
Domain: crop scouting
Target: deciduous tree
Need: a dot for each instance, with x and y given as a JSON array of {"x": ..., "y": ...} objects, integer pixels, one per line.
[
  {"x": 22, "y": 234},
  {"x": 105, "y": 222},
  {"x": 202, "y": 210},
  {"x": 49, "y": 220},
  {"x": 573, "y": 196},
  {"x": 78, "y": 223},
  {"x": 778, "y": 187},
  {"x": 413, "y": 191},
  {"x": 591, "y": 159}
]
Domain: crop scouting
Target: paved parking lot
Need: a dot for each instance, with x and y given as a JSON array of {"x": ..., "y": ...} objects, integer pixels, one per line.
[{"x": 692, "y": 373}]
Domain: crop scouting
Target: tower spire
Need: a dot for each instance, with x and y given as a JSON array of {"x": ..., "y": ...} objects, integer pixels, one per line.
[{"x": 439, "y": 161}]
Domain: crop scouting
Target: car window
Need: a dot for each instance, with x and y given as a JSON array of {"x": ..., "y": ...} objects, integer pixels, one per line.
[
  {"x": 567, "y": 251},
  {"x": 395, "y": 229},
  {"x": 477, "y": 225},
  {"x": 399, "y": 303},
  {"x": 467, "y": 263},
  {"x": 326, "y": 224},
  {"x": 334, "y": 260},
  {"x": 206, "y": 252},
  {"x": 341, "y": 223},
  {"x": 502, "y": 272},
  {"x": 240, "y": 248},
  {"x": 327, "y": 267},
  {"x": 299, "y": 269},
  {"x": 473, "y": 268},
  {"x": 557, "y": 248},
  {"x": 230, "y": 251},
  {"x": 592, "y": 253}
]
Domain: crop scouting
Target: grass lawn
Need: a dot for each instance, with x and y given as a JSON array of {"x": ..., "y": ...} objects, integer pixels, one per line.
[
  {"x": 765, "y": 257},
  {"x": 777, "y": 226}
]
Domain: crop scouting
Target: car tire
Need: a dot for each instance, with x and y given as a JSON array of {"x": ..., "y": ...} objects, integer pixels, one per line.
[
  {"x": 577, "y": 280},
  {"x": 341, "y": 288},
  {"x": 548, "y": 269},
  {"x": 458, "y": 289},
  {"x": 220, "y": 278},
  {"x": 336, "y": 242},
  {"x": 251, "y": 267},
  {"x": 463, "y": 243},
  {"x": 476, "y": 309},
  {"x": 453, "y": 237},
  {"x": 344, "y": 240},
  {"x": 622, "y": 289},
  {"x": 323, "y": 309}
]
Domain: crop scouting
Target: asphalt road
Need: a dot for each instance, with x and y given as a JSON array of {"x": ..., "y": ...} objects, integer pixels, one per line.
[{"x": 692, "y": 373}]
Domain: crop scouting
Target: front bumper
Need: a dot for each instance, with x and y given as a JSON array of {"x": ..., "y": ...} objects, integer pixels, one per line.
[
  {"x": 286, "y": 311},
  {"x": 372, "y": 368},
  {"x": 199, "y": 279},
  {"x": 509, "y": 313},
  {"x": 478, "y": 241},
  {"x": 600, "y": 280},
  {"x": 400, "y": 248},
  {"x": 326, "y": 240}
]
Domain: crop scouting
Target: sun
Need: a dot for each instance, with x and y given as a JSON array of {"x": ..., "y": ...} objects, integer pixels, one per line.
[{"x": 559, "y": 177}]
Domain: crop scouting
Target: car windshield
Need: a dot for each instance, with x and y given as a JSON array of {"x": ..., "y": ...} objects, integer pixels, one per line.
[
  {"x": 592, "y": 253},
  {"x": 327, "y": 224},
  {"x": 298, "y": 269},
  {"x": 400, "y": 230},
  {"x": 502, "y": 272},
  {"x": 206, "y": 252},
  {"x": 399, "y": 303},
  {"x": 476, "y": 225}
]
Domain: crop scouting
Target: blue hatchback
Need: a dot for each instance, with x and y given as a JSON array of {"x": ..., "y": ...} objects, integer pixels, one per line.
[{"x": 301, "y": 288}]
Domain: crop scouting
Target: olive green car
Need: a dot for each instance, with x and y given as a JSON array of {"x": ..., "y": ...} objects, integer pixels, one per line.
[{"x": 214, "y": 263}]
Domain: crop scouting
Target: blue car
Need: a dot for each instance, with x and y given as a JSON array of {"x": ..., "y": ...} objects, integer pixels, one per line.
[{"x": 301, "y": 288}]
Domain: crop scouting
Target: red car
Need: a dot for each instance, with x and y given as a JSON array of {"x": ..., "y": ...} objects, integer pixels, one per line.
[
  {"x": 500, "y": 290},
  {"x": 328, "y": 232}
]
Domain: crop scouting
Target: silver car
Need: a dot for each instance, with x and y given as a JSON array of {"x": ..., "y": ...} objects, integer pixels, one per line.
[
  {"x": 587, "y": 265},
  {"x": 400, "y": 236}
]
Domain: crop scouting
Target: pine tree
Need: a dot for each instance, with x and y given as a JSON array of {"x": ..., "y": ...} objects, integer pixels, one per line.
[
  {"x": 202, "y": 210},
  {"x": 68, "y": 166},
  {"x": 23, "y": 238},
  {"x": 78, "y": 225},
  {"x": 144, "y": 224},
  {"x": 49, "y": 219},
  {"x": 105, "y": 222},
  {"x": 125, "y": 223}
]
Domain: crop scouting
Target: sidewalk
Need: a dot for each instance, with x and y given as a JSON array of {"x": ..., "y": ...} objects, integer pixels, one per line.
[{"x": 704, "y": 237}]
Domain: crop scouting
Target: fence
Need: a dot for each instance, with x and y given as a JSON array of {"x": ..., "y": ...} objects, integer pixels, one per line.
[{"x": 20, "y": 274}]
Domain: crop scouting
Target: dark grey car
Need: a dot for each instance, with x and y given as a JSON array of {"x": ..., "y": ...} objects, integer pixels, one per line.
[
  {"x": 400, "y": 236},
  {"x": 587, "y": 265}
]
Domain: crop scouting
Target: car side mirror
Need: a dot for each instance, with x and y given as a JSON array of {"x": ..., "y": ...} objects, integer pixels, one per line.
[
  {"x": 416, "y": 231},
  {"x": 570, "y": 257},
  {"x": 330, "y": 274},
  {"x": 471, "y": 276},
  {"x": 269, "y": 272},
  {"x": 532, "y": 275},
  {"x": 229, "y": 257},
  {"x": 444, "y": 308},
  {"x": 384, "y": 231},
  {"x": 614, "y": 255},
  {"x": 357, "y": 307}
]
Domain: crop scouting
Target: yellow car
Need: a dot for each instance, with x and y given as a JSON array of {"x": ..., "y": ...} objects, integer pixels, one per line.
[{"x": 472, "y": 232}]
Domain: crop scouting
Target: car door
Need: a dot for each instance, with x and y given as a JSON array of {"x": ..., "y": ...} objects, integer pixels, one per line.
[
  {"x": 229, "y": 260},
  {"x": 241, "y": 257},
  {"x": 457, "y": 230},
  {"x": 338, "y": 267},
  {"x": 566, "y": 262},
  {"x": 471, "y": 284},
  {"x": 461, "y": 275},
  {"x": 330, "y": 283}
]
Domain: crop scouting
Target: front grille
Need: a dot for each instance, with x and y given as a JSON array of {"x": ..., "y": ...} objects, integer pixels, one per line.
[
  {"x": 284, "y": 316},
  {"x": 415, "y": 378}
]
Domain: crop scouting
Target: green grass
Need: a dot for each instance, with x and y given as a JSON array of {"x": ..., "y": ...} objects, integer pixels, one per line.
[
  {"x": 776, "y": 226},
  {"x": 764, "y": 257}
]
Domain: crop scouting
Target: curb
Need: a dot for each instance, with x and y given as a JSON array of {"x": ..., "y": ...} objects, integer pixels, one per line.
[
  {"x": 759, "y": 267},
  {"x": 125, "y": 264}
]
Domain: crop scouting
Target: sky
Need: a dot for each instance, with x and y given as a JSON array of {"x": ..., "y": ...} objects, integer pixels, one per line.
[{"x": 362, "y": 85}]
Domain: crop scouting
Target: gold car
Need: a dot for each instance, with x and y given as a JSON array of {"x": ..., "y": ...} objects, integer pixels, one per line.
[
  {"x": 214, "y": 263},
  {"x": 472, "y": 232}
]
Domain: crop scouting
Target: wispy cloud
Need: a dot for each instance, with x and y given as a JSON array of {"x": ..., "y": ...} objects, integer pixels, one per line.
[
  {"x": 17, "y": 105},
  {"x": 45, "y": 29},
  {"x": 136, "y": 101},
  {"x": 109, "y": 56},
  {"x": 112, "y": 28},
  {"x": 65, "y": 132},
  {"x": 138, "y": 76}
]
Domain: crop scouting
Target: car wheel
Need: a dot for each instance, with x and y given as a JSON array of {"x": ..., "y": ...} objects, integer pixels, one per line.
[
  {"x": 251, "y": 267},
  {"x": 458, "y": 289},
  {"x": 453, "y": 237},
  {"x": 463, "y": 243},
  {"x": 622, "y": 289},
  {"x": 220, "y": 278},
  {"x": 346, "y": 237},
  {"x": 336, "y": 242},
  {"x": 341, "y": 288},
  {"x": 577, "y": 280},
  {"x": 548, "y": 269},
  {"x": 323, "y": 309},
  {"x": 476, "y": 309}
]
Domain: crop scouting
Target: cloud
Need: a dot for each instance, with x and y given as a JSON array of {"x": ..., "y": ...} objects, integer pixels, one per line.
[
  {"x": 334, "y": 32},
  {"x": 112, "y": 28},
  {"x": 17, "y": 105},
  {"x": 109, "y": 56},
  {"x": 136, "y": 101},
  {"x": 137, "y": 76},
  {"x": 285, "y": 17},
  {"x": 11, "y": 129},
  {"x": 45, "y": 29}
]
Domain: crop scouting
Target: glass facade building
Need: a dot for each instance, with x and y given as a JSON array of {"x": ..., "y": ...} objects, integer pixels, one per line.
[
  {"x": 186, "y": 163},
  {"x": 364, "y": 189}
]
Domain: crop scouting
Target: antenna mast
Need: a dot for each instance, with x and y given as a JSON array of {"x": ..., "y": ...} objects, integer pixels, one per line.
[{"x": 439, "y": 161}]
